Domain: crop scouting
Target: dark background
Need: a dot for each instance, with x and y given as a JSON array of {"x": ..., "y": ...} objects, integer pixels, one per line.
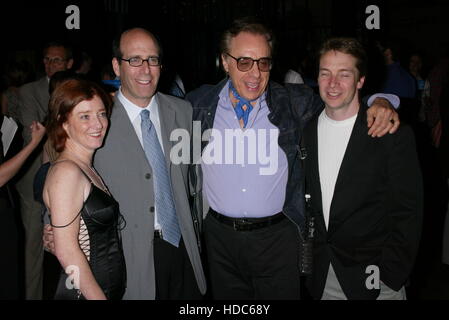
[{"x": 190, "y": 29}]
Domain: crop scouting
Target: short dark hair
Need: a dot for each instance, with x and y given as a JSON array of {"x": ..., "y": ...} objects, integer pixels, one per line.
[
  {"x": 62, "y": 102},
  {"x": 59, "y": 77},
  {"x": 67, "y": 48},
  {"x": 349, "y": 46},
  {"x": 246, "y": 24},
  {"x": 117, "y": 52}
]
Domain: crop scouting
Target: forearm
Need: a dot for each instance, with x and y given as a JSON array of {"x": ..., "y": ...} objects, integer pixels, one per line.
[
  {"x": 13, "y": 165},
  {"x": 72, "y": 259}
]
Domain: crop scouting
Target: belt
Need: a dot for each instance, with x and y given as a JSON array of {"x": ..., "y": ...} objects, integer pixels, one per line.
[
  {"x": 158, "y": 234},
  {"x": 247, "y": 224}
]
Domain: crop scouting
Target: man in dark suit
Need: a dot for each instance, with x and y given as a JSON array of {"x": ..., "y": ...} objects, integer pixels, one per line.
[
  {"x": 33, "y": 106},
  {"x": 366, "y": 194}
]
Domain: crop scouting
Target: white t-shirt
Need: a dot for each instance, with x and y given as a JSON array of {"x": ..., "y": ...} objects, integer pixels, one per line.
[{"x": 333, "y": 138}]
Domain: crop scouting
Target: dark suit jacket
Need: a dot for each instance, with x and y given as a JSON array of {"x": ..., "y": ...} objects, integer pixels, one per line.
[{"x": 376, "y": 211}]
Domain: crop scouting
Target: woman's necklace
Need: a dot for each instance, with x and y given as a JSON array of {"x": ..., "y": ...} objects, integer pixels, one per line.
[{"x": 93, "y": 171}]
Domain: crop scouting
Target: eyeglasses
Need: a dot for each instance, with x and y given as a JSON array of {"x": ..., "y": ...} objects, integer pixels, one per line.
[
  {"x": 246, "y": 63},
  {"x": 137, "y": 62},
  {"x": 48, "y": 60}
]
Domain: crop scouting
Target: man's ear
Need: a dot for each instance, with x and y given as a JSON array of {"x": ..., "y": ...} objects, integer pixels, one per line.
[
  {"x": 360, "y": 83},
  {"x": 116, "y": 66},
  {"x": 224, "y": 61},
  {"x": 70, "y": 64}
]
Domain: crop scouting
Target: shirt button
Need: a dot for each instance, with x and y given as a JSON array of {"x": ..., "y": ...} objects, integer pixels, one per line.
[
  {"x": 151, "y": 209},
  {"x": 148, "y": 176}
]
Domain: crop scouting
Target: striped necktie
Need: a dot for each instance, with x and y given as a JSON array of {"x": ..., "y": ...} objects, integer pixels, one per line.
[{"x": 163, "y": 195}]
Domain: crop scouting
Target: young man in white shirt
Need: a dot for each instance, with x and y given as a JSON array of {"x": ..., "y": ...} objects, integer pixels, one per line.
[{"x": 366, "y": 194}]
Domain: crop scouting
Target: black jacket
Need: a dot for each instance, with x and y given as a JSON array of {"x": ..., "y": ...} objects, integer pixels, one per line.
[{"x": 376, "y": 211}]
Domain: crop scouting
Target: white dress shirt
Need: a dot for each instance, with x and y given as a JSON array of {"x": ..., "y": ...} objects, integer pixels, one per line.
[{"x": 133, "y": 112}]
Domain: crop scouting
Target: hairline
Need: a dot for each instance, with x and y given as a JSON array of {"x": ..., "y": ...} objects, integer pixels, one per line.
[{"x": 148, "y": 33}]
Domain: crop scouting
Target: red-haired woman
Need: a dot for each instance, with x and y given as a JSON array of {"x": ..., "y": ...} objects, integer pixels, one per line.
[{"x": 84, "y": 216}]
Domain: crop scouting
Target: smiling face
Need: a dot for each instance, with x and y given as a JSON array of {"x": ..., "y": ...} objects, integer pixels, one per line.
[
  {"x": 252, "y": 83},
  {"x": 339, "y": 82},
  {"x": 139, "y": 84},
  {"x": 86, "y": 125}
]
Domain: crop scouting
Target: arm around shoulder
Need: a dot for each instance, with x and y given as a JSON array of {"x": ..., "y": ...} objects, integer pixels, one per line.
[{"x": 304, "y": 101}]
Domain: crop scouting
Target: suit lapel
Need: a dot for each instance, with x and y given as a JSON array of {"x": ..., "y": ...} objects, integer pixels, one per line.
[
  {"x": 353, "y": 156},
  {"x": 43, "y": 94},
  {"x": 167, "y": 117},
  {"x": 125, "y": 133},
  {"x": 312, "y": 169}
]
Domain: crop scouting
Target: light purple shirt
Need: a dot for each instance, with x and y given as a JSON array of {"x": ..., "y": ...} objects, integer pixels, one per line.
[{"x": 251, "y": 188}]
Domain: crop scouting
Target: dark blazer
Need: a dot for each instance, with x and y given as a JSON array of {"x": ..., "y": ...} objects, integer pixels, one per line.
[{"x": 376, "y": 211}]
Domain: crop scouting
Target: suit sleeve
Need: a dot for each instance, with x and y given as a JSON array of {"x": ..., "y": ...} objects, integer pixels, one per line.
[
  {"x": 305, "y": 103},
  {"x": 405, "y": 206},
  {"x": 27, "y": 111}
]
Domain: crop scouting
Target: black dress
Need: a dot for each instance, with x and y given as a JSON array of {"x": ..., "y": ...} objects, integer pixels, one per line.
[
  {"x": 101, "y": 220},
  {"x": 9, "y": 262}
]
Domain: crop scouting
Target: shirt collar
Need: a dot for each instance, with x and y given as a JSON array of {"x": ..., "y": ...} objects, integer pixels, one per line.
[{"x": 134, "y": 110}]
